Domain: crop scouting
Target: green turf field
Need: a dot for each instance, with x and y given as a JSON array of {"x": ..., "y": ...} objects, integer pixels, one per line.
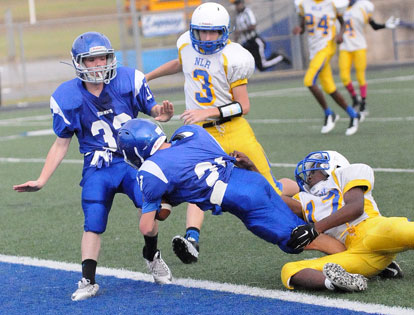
[{"x": 287, "y": 121}]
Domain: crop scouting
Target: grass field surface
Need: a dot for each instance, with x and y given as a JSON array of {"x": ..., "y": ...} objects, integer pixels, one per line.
[{"x": 287, "y": 121}]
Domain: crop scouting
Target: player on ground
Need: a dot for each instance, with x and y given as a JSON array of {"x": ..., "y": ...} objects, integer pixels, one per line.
[
  {"x": 192, "y": 167},
  {"x": 336, "y": 198},
  {"x": 93, "y": 107},
  {"x": 353, "y": 49},
  {"x": 318, "y": 18},
  {"x": 216, "y": 71}
]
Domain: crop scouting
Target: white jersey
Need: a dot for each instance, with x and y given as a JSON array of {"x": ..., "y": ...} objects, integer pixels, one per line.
[
  {"x": 320, "y": 17},
  {"x": 356, "y": 17},
  {"x": 328, "y": 196},
  {"x": 209, "y": 79}
]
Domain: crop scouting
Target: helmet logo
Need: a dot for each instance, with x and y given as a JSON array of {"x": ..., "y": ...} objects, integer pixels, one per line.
[{"x": 97, "y": 48}]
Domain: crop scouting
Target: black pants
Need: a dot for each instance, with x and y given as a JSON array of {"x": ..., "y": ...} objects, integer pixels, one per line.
[{"x": 256, "y": 46}]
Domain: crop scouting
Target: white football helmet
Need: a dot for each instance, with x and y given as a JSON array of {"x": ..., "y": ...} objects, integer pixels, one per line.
[
  {"x": 325, "y": 161},
  {"x": 209, "y": 16}
]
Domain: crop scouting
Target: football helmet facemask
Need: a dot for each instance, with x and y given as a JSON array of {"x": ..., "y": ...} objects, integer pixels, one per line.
[
  {"x": 93, "y": 44},
  {"x": 209, "y": 16},
  {"x": 138, "y": 139},
  {"x": 325, "y": 161}
]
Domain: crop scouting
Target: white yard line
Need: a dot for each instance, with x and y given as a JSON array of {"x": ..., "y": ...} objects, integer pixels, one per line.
[{"x": 216, "y": 286}]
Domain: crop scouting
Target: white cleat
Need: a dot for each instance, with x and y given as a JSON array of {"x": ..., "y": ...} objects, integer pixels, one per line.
[
  {"x": 343, "y": 280},
  {"x": 330, "y": 122},
  {"x": 353, "y": 126},
  {"x": 159, "y": 269},
  {"x": 85, "y": 290}
]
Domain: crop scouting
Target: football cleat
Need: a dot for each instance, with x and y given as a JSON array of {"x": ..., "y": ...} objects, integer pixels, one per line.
[
  {"x": 330, "y": 121},
  {"x": 392, "y": 271},
  {"x": 85, "y": 290},
  {"x": 343, "y": 280},
  {"x": 356, "y": 102},
  {"x": 185, "y": 249},
  {"x": 159, "y": 269},
  {"x": 353, "y": 126}
]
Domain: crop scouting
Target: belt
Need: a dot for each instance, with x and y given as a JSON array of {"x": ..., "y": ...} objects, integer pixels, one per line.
[{"x": 216, "y": 122}]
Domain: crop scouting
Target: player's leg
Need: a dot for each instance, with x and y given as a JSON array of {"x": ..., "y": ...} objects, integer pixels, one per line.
[
  {"x": 343, "y": 271},
  {"x": 345, "y": 64},
  {"x": 310, "y": 81},
  {"x": 266, "y": 63},
  {"x": 97, "y": 196},
  {"x": 187, "y": 248},
  {"x": 239, "y": 136},
  {"x": 360, "y": 68},
  {"x": 148, "y": 226}
]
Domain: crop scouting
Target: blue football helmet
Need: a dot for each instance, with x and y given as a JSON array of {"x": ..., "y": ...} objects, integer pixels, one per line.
[
  {"x": 138, "y": 139},
  {"x": 325, "y": 161},
  {"x": 209, "y": 16},
  {"x": 92, "y": 44}
]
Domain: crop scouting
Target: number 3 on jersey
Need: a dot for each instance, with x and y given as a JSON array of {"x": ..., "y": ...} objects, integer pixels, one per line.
[{"x": 206, "y": 96}]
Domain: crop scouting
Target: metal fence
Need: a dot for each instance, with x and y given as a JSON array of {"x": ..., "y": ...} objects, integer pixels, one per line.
[{"x": 31, "y": 54}]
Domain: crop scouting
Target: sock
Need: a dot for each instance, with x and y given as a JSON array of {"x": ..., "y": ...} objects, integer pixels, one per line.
[
  {"x": 328, "y": 111},
  {"x": 351, "y": 112},
  {"x": 193, "y": 232},
  {"x": 89, "y": 270},
  {"x": 350, "y": 89},
  {"x": 150, "y": 247},
  {"x": 363, "y": 90},
  {"x": 329, "y": 285}
]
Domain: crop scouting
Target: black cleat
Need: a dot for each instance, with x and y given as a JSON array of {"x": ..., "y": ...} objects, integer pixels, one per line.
[
  {"x": 392, "y": 271},
  {"x": 185, "y": 249}
]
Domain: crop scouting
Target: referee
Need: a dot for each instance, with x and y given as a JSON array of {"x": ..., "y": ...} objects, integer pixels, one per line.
[{"x": 246, "y": 35}]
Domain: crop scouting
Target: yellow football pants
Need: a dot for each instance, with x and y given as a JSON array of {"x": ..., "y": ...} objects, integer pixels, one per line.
[
  {"x": 238, "y": 135},
  {"x": 359, "y": 59},
  {"x": 371, "y": 247},
  {"x": 320, "y": 67}
]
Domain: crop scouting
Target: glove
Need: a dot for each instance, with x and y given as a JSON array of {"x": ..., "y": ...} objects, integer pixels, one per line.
[
  {"x": 302, "y": 235},
  {"x": 392, "y": 22}
]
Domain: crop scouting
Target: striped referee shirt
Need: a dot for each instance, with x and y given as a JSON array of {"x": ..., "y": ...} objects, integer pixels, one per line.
[{"x": 243, "y": 21}]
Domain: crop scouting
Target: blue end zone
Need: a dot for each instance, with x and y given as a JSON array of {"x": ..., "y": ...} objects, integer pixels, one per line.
[{"x": 38, "y": 290}]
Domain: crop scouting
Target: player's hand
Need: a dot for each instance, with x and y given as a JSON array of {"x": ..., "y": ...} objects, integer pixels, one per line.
[
  {"x": 29, "y": 186},
  {"x": 243, "y": 161},
  {"x": 297, "y": 30},
  {"x": 192, "y": 116},
  {"x": 302, "y": 235},
  {"x": 339, "y": 38},
  {"x": 392, "y": 22},
  {"x": 164, "y": 112}
]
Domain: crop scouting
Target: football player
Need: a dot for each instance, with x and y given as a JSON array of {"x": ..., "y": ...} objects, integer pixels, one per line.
[
  {"x": 216, "y": 71},
  {"x": 354, "y": 48},
  {"x": 318, "y": 18},
  {"x": 93, "y": 106},
  {"x": 192, "y": 167},
  {"x": 336, "y": 199}
]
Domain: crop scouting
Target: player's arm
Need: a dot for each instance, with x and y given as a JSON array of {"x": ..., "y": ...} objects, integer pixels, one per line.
[
  {"x": 323, "y": 243},
  {"x": 168, "y": 68},
  {"x": 391, "y": 23},
  {"x": 353, "y": 208},
  {"x": 326, "y": 244},
  {"x": 55, "y": 156},
  {"x": 299, "y": 29},
  {"x": 340, "y": 35},
  {"x": 240, "y": 106},
  {"x": 243, "y": 161},
  {"x": 163, "y": 112}
]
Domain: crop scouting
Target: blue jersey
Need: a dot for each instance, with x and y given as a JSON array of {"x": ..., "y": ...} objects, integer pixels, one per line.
[
  {"x": 194, "y": 169},
  {"x": 95, "y": 120}
]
